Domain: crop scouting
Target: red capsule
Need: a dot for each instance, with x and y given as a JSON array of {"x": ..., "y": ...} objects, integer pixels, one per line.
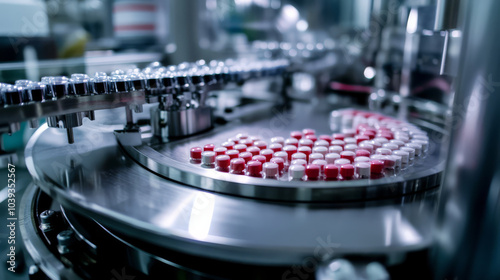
[
  {"x": 253, "y": 150},
  {"x": 338, "y": 136},
  {"x": 237, "y": 166},
  {"x": 208, "y": 147},
  {"x": 376, "y": 166},
  {"x": 348, "y": 155},
  {"x": 361, "y": 138},
  {"x": 268, "y": 153},
  {"x": 347, "y": 171},
  {"x": 276, "y": 147},
  {"x": 220, "y": 151},
  {"x": 232, "y": 153},
  {"x": 228, "y": 145},
  {"x": 296, "y": 134},
  {"x": 311, "y": 137},
  {"x": 261, "y": 159},
  {"x": 195, "y": 153},
  {"x": 246, "y": 142},
  {"x": 280, "y": 162},
  {"x": 240, "y": 148},
  {"x": 254, "y": 168},
  {"x": 331, "y": 172},
  {"x": 290, "y": 150},
  {"x": 325, "y": 137},
  {"x": 312, "y": 172},
  {"x": 308, "y": 131},
  {"x": 246, "y": 156},
  {"x": 362, "y": 153},
  {"x": 261, "y": 144},
  {"x": 222, "y": 163}
]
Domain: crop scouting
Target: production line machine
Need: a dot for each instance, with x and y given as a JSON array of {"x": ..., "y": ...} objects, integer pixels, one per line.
[{"x": 224, "y": 169}]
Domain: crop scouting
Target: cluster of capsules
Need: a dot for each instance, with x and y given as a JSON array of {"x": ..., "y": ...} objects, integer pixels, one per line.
[
  {"x": 154, "y": 79},
  {"x": 380, "y": 148}
]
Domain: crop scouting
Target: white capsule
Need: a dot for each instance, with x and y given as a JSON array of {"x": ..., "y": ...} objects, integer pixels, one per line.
[
  {"x": 362, "y": 170},
  {"x": 320, "y": 149},
  {"x": 296, "y": 172},
  {"x": 270, "y": 170},
  {"x": 315, "y": 156},
  {"x": 410, "y": 151},
  {"x": 299, "y": 156},
  {"x": 351, "y": 147},
  {"x": 321, "y": 143},
  {"x": 416, "y": 146},
  {"x": 331, "y": 157},
  {"x": 279, "y": 140},
  {"x": 362, "y": 159},
  {"x": 299, "y": 162},
  {"x": 381, "y": 140},
  {"x": 405, "y": 157},
  {"x": 390, "y": 146},
  {"x": 383, "y": 151},
  {"x": 341, "y": 161},
  {"x": 350, "y": 140},
  {"x": 335, "y": 149},
  {"x": 208, "y": 158}
]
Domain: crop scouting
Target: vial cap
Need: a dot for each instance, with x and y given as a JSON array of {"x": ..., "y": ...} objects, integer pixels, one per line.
[
  {"x": 208, "y": 157},
  {"x": 276, "y": 147},
  {"x": 195, "y": 153},
  {"x": 296, "y": 171},
  {"x": 362, "y": 169},
  {"x": 232, "y": 153},
  {"x": 331, "y": 171},
  {"x": 376, "y": 166},
  {"x": 222, "y": 161},
  {"x": 346, "y": 170},
  {"x": 280, "y": 162},
  {"x": 331, "y": 157},
  {"x": 237, "y": 165},
  {"x": 270, "y": 169},
  {"x": 254, "y": 168},
  {"x": 246, "y": 156},
  {"x": 261, "y": 159},
  {"x": 320, "y": 150},
  {"x": 362, "y": 159},
  {"x": 268, "y": 153},
  {"x": 220, "y": 151},
  {"x": 208, "y": 147},
  {"x": 253, "y": 150},
  {"x": 312, "y": 171}
]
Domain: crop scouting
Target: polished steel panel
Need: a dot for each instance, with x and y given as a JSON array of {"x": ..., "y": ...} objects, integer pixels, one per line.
[{"x": 468, "y": 231}]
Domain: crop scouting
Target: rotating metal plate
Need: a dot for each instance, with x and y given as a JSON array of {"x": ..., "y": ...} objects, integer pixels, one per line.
[
  {"x": 172, "y": 161},
  {"x": 96, "y": 179}
]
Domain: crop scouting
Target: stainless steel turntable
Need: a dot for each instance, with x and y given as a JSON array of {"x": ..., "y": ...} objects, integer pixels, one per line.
[{"x": 148, "y": 193}]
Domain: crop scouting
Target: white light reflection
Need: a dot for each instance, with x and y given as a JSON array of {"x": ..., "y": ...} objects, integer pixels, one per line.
[
  {"x": 400, "y": 230},
  {"x": 412, "y": 24},
  {"x": 201, "y": 215},
  {"x": 302, "y": 25},
  {"x": 369, "y": 72}
]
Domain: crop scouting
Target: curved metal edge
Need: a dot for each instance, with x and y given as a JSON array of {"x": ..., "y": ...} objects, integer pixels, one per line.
[
  {"x": 275, "y": 190},
  {"x": 231, "y": 250},
  {"x": 36, "y": 248}
]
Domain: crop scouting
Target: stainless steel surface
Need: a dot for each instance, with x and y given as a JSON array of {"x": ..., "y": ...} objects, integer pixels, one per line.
[
  {"x": 95, "y": 178},
  {"x": 171, "y": 160},
  {"x": 68, "y": 105},
  {"x": 468, "y": 231},
  {"x": 182, "y": 123}
]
